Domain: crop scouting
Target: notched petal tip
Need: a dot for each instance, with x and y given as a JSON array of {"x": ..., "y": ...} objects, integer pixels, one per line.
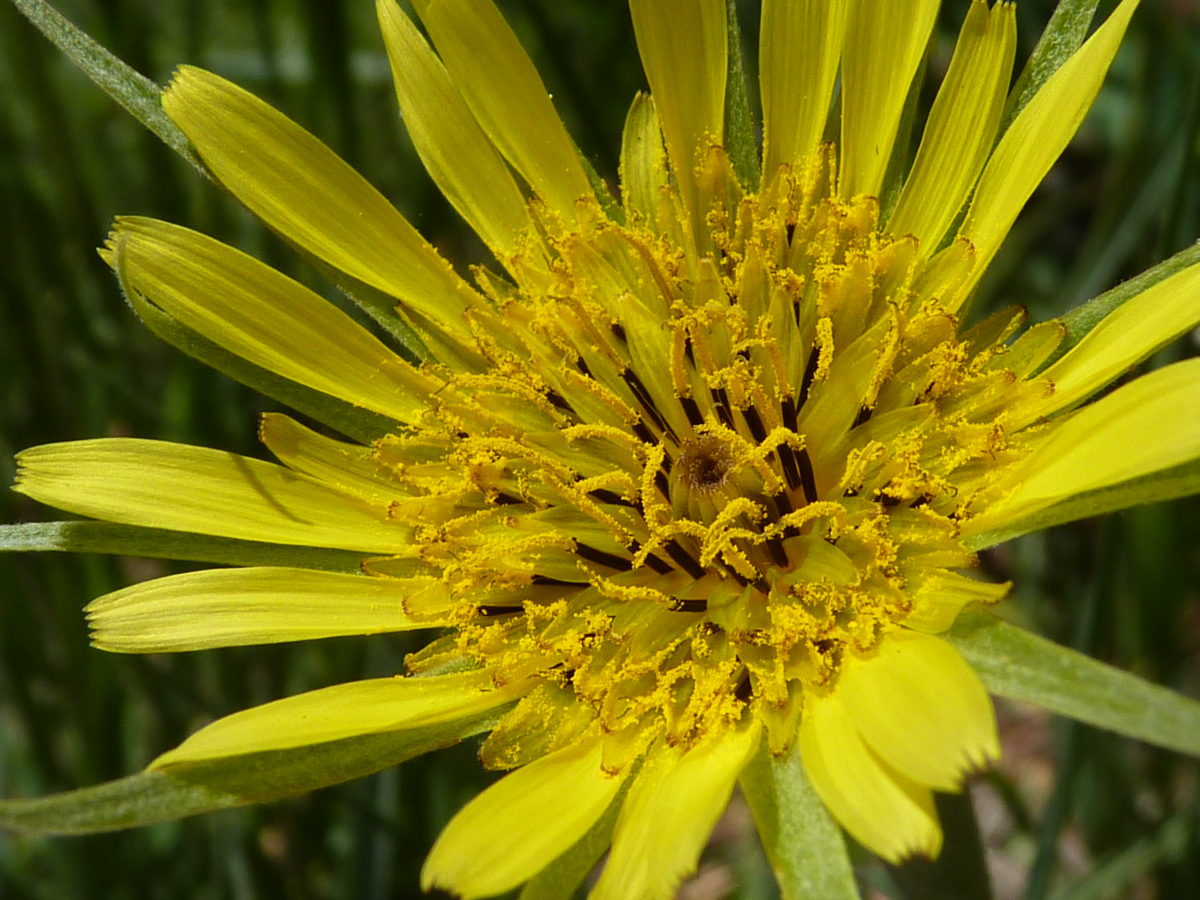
[
  {"x": 926, "y": 846},
  {"x": 184, "y": 77}
]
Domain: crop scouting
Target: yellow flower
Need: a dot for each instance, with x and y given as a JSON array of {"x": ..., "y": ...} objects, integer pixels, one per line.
[{"x": 686, "y": 478}]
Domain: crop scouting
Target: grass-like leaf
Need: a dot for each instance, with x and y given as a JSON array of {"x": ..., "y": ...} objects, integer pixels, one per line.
[
  {"x": 1019, "y": 665},
  {"x": 740, "y": 128},
  {"x": 1168, "y": 484},
  {"x": 804, "y": 845},
  {"x": 133, "y": 90},
  {"x": 158, "y": 543},
  {"x": 1088, "y": 315},
  {"x": 151, "y": 797},
  {"x": 1065, "y": 32}
]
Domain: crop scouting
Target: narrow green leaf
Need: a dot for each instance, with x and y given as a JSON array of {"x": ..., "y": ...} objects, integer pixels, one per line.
[
  {"x": 1060, "y": 805},
  {"x": 1019, "y": 665},
  {"x": 562, "y": 878},
  {"x": 134, "y": 91},
  {"x": 741, "y": 134},
  {"x": 156, "y": 543},
  {"x": 803, "y": 843},
  {"x": 151, "y": 797},
  {"x": 354, "y": 422},
  {"x": 1169, "y": 484},
  {"x": 1065, "y": 32},
  {"x": 1088, "y": 315}
]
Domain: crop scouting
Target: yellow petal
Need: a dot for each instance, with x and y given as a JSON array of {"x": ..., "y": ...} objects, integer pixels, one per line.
[
  {"x": 942, "y": 595},
  {"x": 264, "y": 317},
  {"x": 884, "y": 811},
  {"x": 454, "y": 149},
  {"x": 668, "y": 815},
  {"x": 350, "y": 468},
  {"x": 921, "y": 708},
  {"x": 303, "y": 190},
  {"x": 341, "y": 711},
  {"x": 234, "y": 607},
  {"x": 1122, "y": 339},
  {"x": 683, "y": 46},
  {"x": 159, "y": 484},
  {"x": 520, "y": 824},
  {"x": 800, "y": 45},
  {"x": 1036, "y": 137},
  {"x": 884, "y": 46},
  {"x": 1025, "y": 355},
  {"x": 643, "y": 163},
  {"x": 495, "y": 76},
  {"x": 961, "y": 127},
  {"x": 1148, "y": 425}
]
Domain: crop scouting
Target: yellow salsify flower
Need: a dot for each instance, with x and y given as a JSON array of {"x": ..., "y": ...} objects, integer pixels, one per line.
[{"x": 684, "y": 479}]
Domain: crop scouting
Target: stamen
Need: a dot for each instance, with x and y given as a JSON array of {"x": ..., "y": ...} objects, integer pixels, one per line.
[
  {"x": 807, "y": 477},
  {"x": 603, "y": 558}
]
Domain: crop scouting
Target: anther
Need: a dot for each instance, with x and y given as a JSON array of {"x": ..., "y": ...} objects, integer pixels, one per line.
[
  {"x": 683, "y": 559},
  {"x": 807, "y": 477},
  {"x": 606, "y": 496},
  {"x": 603, "y": 558},
  {"x": 489, "y": 611},
  {"x": 755, "y": 423},
  {"x": 810, "y": 372},
  {"x": 692, "y": 410}
]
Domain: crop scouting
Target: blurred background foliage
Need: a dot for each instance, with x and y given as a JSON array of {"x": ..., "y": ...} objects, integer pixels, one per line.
[{"x": 1071, "y": 812}]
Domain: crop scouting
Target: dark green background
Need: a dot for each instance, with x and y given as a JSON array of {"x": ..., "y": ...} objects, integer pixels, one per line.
[{"x": 75, "y": 363}]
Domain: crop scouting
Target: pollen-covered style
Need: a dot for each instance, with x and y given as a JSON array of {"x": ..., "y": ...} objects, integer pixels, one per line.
[{"x": 689, "y": 475}]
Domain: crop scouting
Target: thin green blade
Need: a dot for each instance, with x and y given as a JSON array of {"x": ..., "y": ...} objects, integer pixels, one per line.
[
  {"x": 1019, "y": 665},
  {"x": 1065, "y": 32},
  {"x": 802, "y": 842},
  {"x": 1169, "y": 484},
  {"x": 152, "y": 797},
  {"x": 157, "y": 543},
  {"x": 741, "y": 132},
  {"x": 133, "y": 90}
]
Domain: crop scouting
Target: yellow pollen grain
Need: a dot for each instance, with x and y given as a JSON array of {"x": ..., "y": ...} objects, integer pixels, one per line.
[{"x": 824, "y": 340}]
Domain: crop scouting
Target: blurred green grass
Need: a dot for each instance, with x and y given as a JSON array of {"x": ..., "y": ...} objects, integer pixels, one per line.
[{"x": 1074, "y": 806}]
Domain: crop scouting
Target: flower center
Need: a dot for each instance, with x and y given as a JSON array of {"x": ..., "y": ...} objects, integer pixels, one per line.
[
  {"x": 705, "y": 463},
  {"x": 689, "y": 476}
]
